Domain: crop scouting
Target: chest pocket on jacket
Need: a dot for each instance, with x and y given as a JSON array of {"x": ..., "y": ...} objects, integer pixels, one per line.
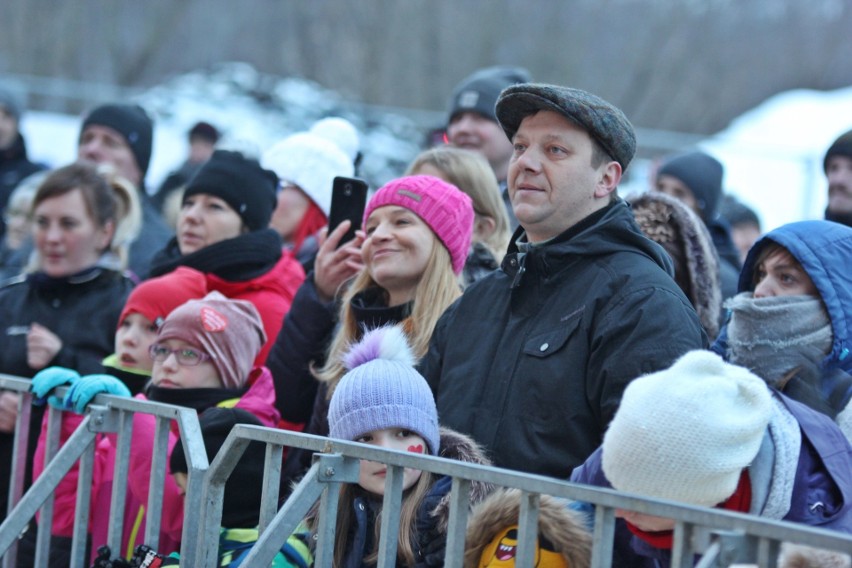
[{"x": 546, "y": 343}]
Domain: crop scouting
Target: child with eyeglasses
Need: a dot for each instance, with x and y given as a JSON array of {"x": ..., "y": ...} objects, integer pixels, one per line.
[{"x": 203, "y": 357}]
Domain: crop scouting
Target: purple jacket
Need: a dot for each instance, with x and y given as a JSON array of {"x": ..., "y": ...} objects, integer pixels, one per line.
[{"x": 822, "y": 489}]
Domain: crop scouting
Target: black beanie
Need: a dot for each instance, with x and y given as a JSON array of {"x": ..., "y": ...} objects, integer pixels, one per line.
[
  {"x": 702, "y": 174},
  {"x": 132, "y": 122},
  {"x": 241, "y": 505},
  {"x": 241, "y": 182},
  {"x": 841, "y": 147},
  {"x": 479, "y": 91}
]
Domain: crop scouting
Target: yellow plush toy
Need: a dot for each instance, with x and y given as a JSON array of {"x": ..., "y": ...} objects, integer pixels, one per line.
[{"x": 564, "y": 541}]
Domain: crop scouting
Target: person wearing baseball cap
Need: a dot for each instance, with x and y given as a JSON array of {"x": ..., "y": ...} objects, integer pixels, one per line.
[{"x": 531, "y": 361}]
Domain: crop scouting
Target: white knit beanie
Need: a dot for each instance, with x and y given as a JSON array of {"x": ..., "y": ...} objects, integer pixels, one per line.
[
  {"x": 687, "y": 432},
  {"x": 310, "y": 162}
]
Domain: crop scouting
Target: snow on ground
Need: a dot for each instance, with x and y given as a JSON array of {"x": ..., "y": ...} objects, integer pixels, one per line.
[{"x": 772, "y": 153}]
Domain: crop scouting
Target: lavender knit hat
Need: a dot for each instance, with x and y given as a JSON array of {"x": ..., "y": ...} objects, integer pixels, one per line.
[
  {"x": 382, "y": 390},
  {"x": 445, "y": 208}
]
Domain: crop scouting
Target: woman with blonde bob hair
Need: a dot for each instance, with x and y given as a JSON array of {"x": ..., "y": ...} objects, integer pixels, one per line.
[
  {"x": 471, "y": 173},
  {"x": 401, "y": 268}
]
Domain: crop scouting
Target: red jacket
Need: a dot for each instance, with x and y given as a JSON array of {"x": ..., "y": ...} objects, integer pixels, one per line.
[{"x": 271, "y": 293}]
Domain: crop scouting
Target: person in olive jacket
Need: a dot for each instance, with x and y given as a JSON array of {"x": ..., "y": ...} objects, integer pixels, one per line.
[{"x": 532, "y": 360}]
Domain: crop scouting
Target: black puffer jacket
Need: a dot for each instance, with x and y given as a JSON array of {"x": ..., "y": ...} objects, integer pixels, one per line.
[
  {"x": 82, "y": 310},
  {"x": 532, "y": 360}
]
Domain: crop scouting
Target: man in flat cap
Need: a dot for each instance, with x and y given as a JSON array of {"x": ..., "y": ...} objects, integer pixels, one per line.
[{"x": 533, "y": 359}]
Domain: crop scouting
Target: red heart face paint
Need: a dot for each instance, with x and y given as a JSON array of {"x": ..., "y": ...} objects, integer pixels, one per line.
[{"x": 417, "y": 449}]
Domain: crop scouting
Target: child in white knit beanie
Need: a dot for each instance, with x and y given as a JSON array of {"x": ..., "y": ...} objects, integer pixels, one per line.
[{"x": 707, "y": 433}]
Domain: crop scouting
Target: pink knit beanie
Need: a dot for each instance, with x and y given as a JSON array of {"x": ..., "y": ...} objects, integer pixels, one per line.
[
  {"x": 230, "y": 331},
  {"x": 445, "y": 208}
]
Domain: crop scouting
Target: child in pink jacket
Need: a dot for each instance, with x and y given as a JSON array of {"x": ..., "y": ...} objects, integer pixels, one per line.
[{"x": 202, "y": 357}]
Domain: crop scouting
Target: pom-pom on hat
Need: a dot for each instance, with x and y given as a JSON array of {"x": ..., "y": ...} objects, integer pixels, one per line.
[
  {"x": 605, "y": 123},
  {"x": 241, "y": 182},
  {"x": 134, "y": 125},
  {"x": 383, "y": 390},
  {"x": 310, "y": 162},
  {"x": 687, "y": 432},
  {"x": 155, "y": 298},
  {"x": 341, "y": 132},
  {"x": 445, "y": 208},
  {"x": 230, "y": 331}
]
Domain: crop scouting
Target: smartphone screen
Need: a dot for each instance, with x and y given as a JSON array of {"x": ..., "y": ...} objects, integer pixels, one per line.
[{"x": 348, "y": 199}]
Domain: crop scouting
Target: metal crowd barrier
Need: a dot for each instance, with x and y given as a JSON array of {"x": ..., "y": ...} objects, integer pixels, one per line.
[{"x": 720, "y": 538}]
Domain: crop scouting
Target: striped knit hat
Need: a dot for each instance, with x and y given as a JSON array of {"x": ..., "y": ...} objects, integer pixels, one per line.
[{"x": 445, "y": 208}]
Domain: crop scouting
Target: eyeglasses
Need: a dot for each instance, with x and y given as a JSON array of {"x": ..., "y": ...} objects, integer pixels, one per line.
[{"x": 186, "y": 356}]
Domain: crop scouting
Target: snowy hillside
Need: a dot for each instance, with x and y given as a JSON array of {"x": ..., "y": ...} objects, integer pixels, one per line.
[{"x": 772, "y": 154}]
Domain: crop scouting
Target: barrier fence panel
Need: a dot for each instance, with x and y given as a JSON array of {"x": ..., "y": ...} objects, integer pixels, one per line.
[
  {"x": 719, "y": 538},
  {"x": 105, "y": 415}
]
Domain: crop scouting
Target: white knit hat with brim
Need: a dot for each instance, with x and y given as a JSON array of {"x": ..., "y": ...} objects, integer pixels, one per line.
[
  {"x": 687, "y": 432},
  {"x": 310, "y": 162}
]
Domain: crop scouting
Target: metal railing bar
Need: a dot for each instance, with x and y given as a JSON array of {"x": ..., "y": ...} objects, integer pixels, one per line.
[
  {"x": 391, "y": 504},
  {"x": 527, "y": 529},
  {"x": 457, "y": 527}
]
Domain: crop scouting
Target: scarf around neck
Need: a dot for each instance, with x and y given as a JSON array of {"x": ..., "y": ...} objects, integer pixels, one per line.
[
  {"x": 773, "y": 336},
  {"x": 238, "y": 259}
]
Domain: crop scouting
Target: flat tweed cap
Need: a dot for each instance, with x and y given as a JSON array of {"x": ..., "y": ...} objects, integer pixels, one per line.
[{"x": 604, "y": 122}]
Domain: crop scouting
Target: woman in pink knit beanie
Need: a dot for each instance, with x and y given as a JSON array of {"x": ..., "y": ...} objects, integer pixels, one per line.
[{"x": 402, "y": 267}]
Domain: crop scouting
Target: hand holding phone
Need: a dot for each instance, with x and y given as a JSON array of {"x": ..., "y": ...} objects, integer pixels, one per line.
[{"x": 348, "y": 200}]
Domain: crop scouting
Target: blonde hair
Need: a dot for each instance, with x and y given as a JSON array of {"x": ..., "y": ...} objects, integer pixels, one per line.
[
  {"x": 412, "y": 499},
  {"x": 437, "y": 289},
  {"x": 128, "y": 213},
  {"x": 471, "y": 173}
]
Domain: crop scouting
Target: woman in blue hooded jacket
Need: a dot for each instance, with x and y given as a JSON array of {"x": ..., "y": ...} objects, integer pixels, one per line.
[{"x": 790, "y": 322}]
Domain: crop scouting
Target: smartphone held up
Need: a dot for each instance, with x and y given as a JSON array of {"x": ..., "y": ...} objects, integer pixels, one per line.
[{"x": 348, "y": 199}]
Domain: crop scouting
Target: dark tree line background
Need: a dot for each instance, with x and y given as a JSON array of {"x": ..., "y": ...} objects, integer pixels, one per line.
[{"x": 682, "y": 65}]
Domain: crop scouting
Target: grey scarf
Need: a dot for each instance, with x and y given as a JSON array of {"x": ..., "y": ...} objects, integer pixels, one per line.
[{"x": 773, "y": 336}]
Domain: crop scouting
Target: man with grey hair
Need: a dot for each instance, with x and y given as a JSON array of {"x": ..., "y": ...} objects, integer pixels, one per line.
[
  {"x": 533, "y": 359},
  {"x": 14, "y": 163}
]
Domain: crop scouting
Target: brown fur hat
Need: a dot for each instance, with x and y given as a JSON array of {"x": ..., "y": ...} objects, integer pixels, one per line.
[{"x": 563, "y": 527}]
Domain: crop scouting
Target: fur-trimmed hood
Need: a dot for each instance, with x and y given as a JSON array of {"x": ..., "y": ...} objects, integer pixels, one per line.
[
  {"x": 800, "y": 556},
  {"x": 673, "y": 225},
  {"x": 457, "y": 446},
  {"x": 563, "y": 527}
]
